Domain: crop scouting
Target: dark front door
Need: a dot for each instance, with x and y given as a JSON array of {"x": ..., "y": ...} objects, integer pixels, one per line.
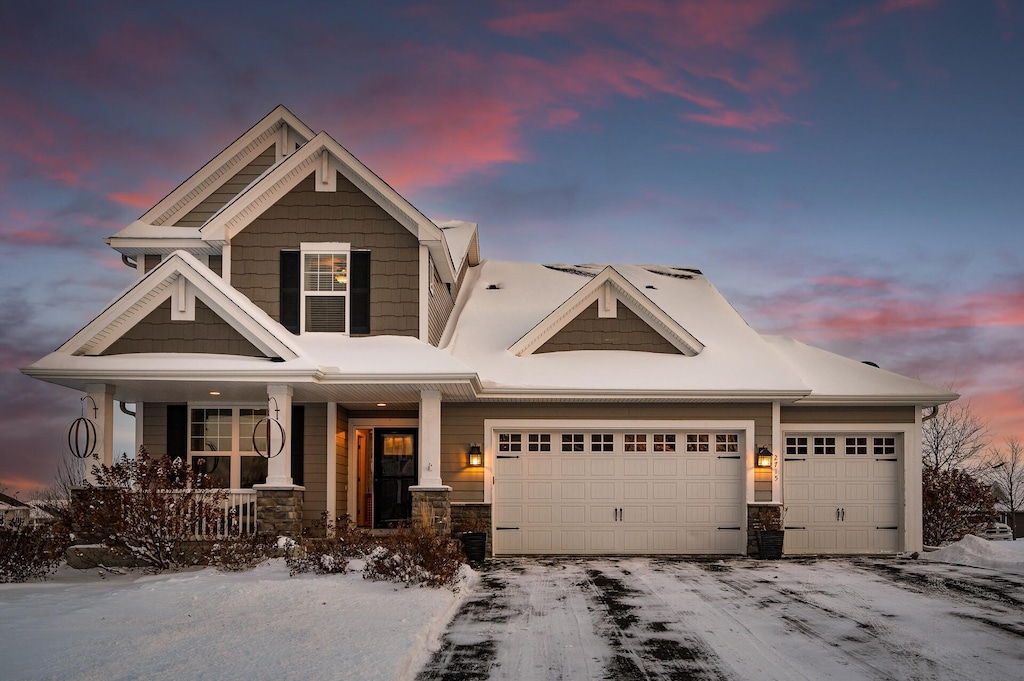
[{"x": 394, "y": 472}]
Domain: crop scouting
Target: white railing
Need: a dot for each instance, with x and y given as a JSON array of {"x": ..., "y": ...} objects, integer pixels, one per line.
[{"x": 235, "y": 513}]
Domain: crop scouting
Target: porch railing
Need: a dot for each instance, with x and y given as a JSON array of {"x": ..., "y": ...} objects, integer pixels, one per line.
[{"x": 234, "y": 515}]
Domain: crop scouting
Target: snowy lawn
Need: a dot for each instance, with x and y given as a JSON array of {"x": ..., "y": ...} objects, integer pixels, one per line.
[{"x": 212, "y": 625}]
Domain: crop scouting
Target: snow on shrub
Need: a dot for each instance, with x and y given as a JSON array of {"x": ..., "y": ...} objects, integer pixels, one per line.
[
  {"x": 29, "y": 552},
  {"x": 416, "y": 555},
  {"x": 238, "y": 554}
]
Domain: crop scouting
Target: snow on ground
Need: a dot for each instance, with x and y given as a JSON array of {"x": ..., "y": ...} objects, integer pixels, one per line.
[
  {"x": 211, "y": 625},
  {"x": 1005, "y": 556}
]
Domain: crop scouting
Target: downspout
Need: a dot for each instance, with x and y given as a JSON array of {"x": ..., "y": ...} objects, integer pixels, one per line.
[
  {"x": 126, "y": 410},
  {"x": 134, "y": 264},
  {"x": 929, "y": 417}
]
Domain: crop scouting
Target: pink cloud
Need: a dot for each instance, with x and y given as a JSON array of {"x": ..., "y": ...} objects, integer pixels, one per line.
[
  {"x": 853, "y": 282},
  {"x": 871, "y": 13},
  {"x": 756, "y": 119},
  {"x": 152, "y": 191}
]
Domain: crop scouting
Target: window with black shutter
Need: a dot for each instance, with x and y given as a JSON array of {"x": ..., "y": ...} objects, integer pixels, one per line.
[
  {"x": 291, "y": 290},
  {"x": 359, "y": 293}
]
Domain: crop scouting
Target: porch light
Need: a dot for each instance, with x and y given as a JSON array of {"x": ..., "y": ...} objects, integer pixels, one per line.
[
  {"x": 476, "y": 457},
  {"x": 764, "y": 458}
]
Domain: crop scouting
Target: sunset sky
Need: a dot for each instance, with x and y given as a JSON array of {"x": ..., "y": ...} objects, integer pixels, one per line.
[{"x": 848, "y": 173}]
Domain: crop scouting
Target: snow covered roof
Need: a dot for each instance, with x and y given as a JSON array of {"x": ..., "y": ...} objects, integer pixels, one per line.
[
  {"x": 459, "y": 237},
  {"x": 501, "y": 302}
]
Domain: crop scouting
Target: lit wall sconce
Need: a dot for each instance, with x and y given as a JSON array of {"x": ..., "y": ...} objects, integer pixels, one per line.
[
  {"x": 476, "y": 457},
  {"x": 764, "y": 457}
]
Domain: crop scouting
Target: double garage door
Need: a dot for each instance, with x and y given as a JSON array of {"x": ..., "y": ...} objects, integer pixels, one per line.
[
  {"x": 842, "y": 493},
  {"x": 619, "y": 491}
]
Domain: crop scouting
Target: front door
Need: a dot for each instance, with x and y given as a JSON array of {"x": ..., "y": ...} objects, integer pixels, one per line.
[{"x": 394, "y": 472}]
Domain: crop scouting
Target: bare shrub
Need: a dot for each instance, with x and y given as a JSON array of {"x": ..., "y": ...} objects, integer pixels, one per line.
[
  {"x": 29, "y": 552},
  {"x": 327, "y": 547},
  {"x": 955, "y": 504}
]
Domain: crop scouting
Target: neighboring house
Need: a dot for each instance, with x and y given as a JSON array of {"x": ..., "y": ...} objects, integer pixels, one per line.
[
  {"x": 617, "y": 408},
  {"x": 14, "y": 512}
]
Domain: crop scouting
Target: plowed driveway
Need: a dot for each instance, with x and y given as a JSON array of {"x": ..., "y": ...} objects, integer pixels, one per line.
[{"x": 648, "y": 618}]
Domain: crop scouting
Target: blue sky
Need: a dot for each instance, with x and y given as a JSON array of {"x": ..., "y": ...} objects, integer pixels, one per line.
[{"x": 846, "y": 173}]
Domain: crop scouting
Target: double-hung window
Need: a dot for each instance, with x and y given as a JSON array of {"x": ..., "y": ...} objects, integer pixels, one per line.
[
  {"x": 221, "y": 445},
  {"x": 325, "y": 288}
]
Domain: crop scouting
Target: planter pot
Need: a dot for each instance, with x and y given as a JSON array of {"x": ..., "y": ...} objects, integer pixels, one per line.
[
  {"x": 474, "y": 545},
  {"x": 769, "y": 544}
]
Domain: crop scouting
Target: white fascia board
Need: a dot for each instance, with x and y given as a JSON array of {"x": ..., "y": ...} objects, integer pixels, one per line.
[
  {"x": 877, "y": 400},
  {"x": 134, "y": 247},
  {"x": 152, "y": 289},
  {"x": 562, "y": 394},
  {"x": 592, "y": 291},
  {"x": 207, "y": 179}
]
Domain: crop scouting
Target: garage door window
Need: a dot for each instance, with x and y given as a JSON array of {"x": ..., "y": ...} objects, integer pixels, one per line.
[
  {"x": 796, "y": 446},
  {"x": 602, "y": 442},
  {"x": 884, "y": 446},
  {"x": 824, "y": 446},
  {"x": 857, "y": 446},
  {"x": 572, "y": 442},
  {"x": 510, "y": 442},
  {"x": 539, "y": 442},
  {"x": 636, "y": 442},
  {"x": 727, "y": 442},
  {"x": 664, "y": 442},
  {"x": 698, "y": 442}
]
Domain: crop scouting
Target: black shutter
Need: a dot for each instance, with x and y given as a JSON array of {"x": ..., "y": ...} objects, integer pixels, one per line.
[
  {"x": 291, "y": 280},
  {"x": 177, "y": 431},
  {"x": 298, "y": 442},
  {"x": 359, "y": 292}
]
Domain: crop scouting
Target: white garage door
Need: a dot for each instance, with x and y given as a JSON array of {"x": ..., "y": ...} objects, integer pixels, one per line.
[
  {"x": 842, "y": 493},
  {"x": 618, "y": 492}
]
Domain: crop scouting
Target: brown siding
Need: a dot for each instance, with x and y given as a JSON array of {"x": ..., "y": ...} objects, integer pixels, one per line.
[
  {"x": 216, "y": 263},
  {"x": 227, "y": 191},
  {"x": 463, "y": 424},
  {"x": 154, "y": 428},
  {"x": 341, "y": 457},
  {"x": 793, "y": 414},
  {"x": 207, "y": 334},
  {"x": 151, "y": 261},
  {"x": 314, "y": 465},
  {"x": 441, "y": 304},
  {"x": 346, "y": 215},
  {"x": 625, "y": 332}
]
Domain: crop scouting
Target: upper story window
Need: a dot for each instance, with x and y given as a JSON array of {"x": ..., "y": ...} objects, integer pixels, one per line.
[{"x": 325, "y": 288}]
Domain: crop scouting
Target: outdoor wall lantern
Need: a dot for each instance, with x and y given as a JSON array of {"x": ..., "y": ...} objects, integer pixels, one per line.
[
  {"x": 764, "y": 458},
  {"x": 476, "y": 457}
]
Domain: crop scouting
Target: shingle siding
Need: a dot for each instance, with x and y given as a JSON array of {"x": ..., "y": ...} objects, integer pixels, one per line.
[
  {"x": 227, "y": 191},
  {"x": 347, "y": 216},
  {"x": 626, "y": 331},
  {"x": 442, "y": 300},
  {"x": 341, "y": 459},
  {"x": 794, "y": 414},
  {"x": 208, "y": 334},
  {"x": 314, "y": 465}
]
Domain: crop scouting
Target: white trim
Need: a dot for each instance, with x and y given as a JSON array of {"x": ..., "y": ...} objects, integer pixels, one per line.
[
  {"x": 493, "y": 425},
  {"x": 913, "y": 501},
  {"x": 139, "y": 429},
  {"x": 777, "y": 469},
  {"x": 332, "y": 461},
  {"x": 225, "y": 263},
  {"x": 424, "y": 294},
  {"x": 609, "y": 283}
]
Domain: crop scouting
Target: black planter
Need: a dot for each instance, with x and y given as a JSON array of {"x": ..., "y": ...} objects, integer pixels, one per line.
[
  {"x": 474, "y": 545},
  {"x": 769, "y": 544}
]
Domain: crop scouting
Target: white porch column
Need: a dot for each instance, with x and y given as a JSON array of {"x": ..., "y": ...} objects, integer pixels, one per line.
[
  {"x": 102, "y": 399},
  {"x": 430, "y": 442},
  {"x": 279, "y": 468}
]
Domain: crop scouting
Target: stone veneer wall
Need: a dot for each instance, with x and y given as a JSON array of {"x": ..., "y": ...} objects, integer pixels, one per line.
[
  {"x": 765, "y": 516},
  {"x": 473, "y": 518},
  {"x": 279, "y": 511},
  {"x": 436, "y": 505}
]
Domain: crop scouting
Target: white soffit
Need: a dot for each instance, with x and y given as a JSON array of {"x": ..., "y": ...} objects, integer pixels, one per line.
[
  {"x": 182, "y": 278},
  {"x": 607, "y": 289}
]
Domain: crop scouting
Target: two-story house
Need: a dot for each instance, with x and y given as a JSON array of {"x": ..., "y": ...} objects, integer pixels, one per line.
[{"x": 573, "y": 409}]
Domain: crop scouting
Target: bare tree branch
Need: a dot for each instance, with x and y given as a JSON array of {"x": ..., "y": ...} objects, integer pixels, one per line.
[{"x": 954, "y": 438}]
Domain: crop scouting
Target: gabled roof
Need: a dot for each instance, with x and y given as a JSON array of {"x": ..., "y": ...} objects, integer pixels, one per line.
[
  {"x": 279, "y": 126},
  {"x": 182, "y": 278},
  {"x": 606, "y": 289},
  {"x": 323, "y": 156}
]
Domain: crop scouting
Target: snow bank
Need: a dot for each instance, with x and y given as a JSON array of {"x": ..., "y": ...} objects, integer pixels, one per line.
[{"x": 974, "y": 551}]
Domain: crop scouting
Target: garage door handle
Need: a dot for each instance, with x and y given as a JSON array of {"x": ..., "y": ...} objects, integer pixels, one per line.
[
  {"x": 837, "y": 515},
  {"x": 844, "y": 515}
]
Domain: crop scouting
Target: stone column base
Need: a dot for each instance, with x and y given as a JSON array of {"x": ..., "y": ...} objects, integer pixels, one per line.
[
  {"x": 433, "y": 504},
  {"x": 279, "y": 510}
]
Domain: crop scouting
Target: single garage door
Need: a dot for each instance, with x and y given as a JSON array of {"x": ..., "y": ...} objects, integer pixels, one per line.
[
  {"x": 842, "y": 493},
  {"x": 590, "y": 492}
]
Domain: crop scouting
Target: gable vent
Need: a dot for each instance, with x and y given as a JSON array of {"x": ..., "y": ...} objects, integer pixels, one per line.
[
  {"x": 569, "y": 269},
  {"x": 325, "y": 314}
]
